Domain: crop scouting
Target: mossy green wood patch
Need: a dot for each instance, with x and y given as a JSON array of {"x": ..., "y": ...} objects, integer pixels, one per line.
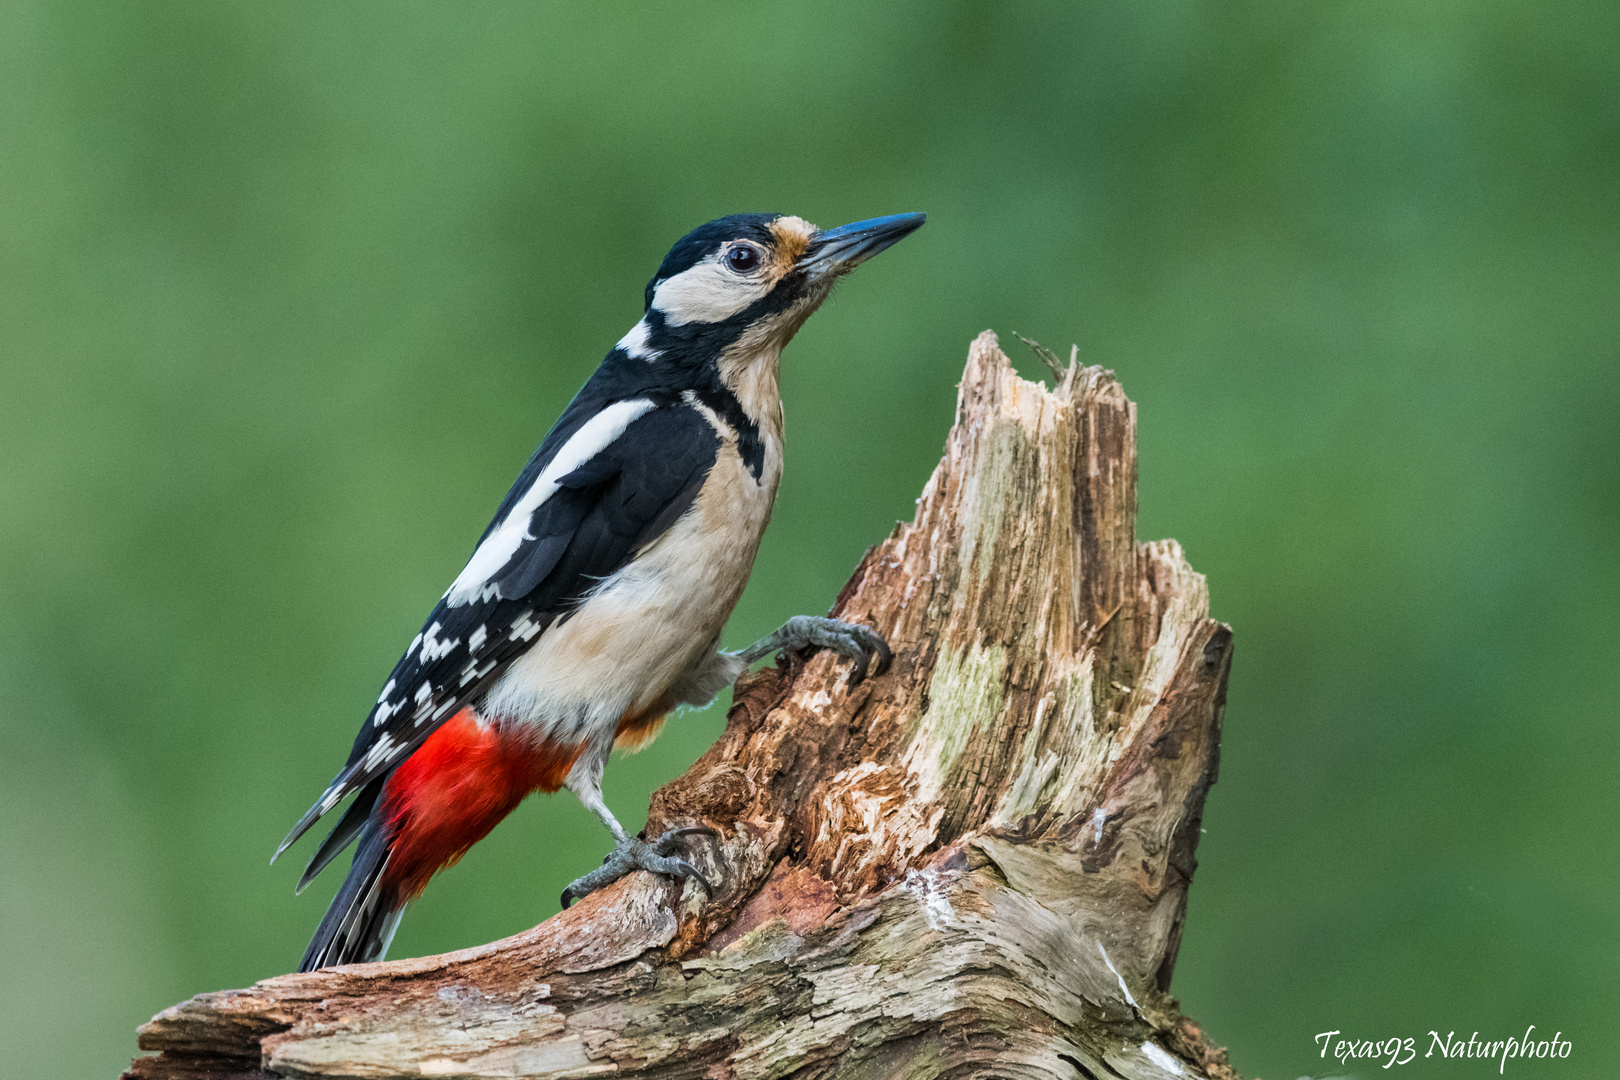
[{"x": 966, "y": 691}]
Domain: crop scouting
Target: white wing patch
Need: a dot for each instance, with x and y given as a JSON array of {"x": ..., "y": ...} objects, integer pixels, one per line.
[
  {"x": 707, "y": 292},
  {"x": 525, "y": 627},
  {"x": 472, "y": 584},
  {"x": 433, "y": 648},
  {"x": 384, "y": 709},
  {"x": 381, "y": 750}
]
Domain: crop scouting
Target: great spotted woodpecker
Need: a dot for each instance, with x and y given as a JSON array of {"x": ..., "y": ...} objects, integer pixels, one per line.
[{"x": 593, "y": 603}]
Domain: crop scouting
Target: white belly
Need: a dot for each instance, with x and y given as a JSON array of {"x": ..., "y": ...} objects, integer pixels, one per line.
[{"x": 649, "y": 624}]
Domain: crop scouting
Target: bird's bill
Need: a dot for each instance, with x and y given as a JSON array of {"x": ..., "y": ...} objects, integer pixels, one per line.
[{"x": 833, "y": 251}]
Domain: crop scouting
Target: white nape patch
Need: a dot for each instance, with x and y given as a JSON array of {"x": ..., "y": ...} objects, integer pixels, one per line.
[
  {"x": 472, "y": 584},
  {"x": 432, "y": 647},
  {"x": 1122, "y": 987},
  {"x": 1155, "y": 1054},
  {"x": 635, "y": 344},
  {"x": 706, "y": 292}
]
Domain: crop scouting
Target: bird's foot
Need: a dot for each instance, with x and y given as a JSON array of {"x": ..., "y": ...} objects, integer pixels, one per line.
[
  {"x": 633, "y": 853},
  {"x": 849, "y": 640}
]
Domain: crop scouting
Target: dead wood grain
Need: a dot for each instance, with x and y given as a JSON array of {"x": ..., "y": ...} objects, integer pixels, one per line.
[{"x": 975, "y": 865}]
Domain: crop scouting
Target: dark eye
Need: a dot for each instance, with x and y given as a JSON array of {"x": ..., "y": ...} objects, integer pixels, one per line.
[{"x": 744, "y": 258}]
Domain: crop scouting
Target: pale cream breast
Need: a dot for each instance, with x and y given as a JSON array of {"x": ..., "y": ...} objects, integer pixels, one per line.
[{"x": 649, "y": 624}]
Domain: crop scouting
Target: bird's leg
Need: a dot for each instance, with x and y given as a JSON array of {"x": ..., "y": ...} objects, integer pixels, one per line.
[
  {"x": 661, "y": 856},
  {"x": 629, "y": 852},
  {"x": 850, "y": 640}
]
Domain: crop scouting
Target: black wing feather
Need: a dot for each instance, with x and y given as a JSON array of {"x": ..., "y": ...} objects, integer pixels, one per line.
[{"x": 603, "y": 512}]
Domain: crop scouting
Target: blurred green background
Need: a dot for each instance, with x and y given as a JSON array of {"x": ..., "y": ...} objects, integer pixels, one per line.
[{"x": 289, "y": 292}]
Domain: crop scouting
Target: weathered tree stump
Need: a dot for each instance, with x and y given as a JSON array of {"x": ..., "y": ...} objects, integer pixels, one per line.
[{"x": 975, "y": 865}]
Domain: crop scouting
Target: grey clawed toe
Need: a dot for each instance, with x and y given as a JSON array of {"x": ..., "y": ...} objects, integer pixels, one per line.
[
  {"x": 633, "y": 853},
  {"x": 850, "y": 640}
]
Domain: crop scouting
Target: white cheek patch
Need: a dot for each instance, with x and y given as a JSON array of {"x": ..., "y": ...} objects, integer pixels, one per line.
[
  {"x": 498, "y": 548},
  {"x": 705, "y": 293}
]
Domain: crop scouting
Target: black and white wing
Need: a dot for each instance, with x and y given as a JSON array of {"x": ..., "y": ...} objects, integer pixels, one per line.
[{"x": 595, "y": 493}]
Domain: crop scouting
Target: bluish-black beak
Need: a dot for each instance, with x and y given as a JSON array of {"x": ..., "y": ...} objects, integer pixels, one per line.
[{"x": 834, "y": 251}]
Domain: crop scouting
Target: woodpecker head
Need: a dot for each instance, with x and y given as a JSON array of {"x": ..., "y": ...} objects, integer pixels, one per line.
[{"x": 734, "y": 291}]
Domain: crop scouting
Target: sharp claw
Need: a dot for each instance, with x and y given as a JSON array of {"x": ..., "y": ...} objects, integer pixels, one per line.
[
  {"x": 687, "y": 870},
  {"x": 884, "y": 656},
  {"x": 862, "y": 645},
  {"x": 568, "y": 897},
  {"x": 668, "y": 842},
  {"x": 859, "y": 674}
]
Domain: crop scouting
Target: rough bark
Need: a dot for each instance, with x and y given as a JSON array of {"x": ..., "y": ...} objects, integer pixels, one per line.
[{"x": 974, "y": 865}]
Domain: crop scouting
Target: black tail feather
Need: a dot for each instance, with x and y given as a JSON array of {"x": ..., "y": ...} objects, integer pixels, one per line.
[
  {"x": 364, "y": 915},
  {"x": 343, "y": 833}
]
